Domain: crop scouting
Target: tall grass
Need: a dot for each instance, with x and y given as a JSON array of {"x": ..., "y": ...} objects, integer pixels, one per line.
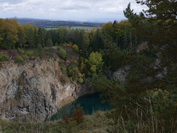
[{"x": 142, "y": 123}]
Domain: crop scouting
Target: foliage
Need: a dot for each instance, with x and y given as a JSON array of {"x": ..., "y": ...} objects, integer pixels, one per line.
[
  {"x": 49, "y": 43},
  {"x": 92, "y": 123},
  {"x": 75, "y": 47},
  {"x": 147, "y": 97},
  {"x": 8, "y": 30},
  {"x": 95, "y": 58},
  {"x": 78, "y": 114},
  {"x": 62, "y": 53},
  {"x": 93, "y": 68},
  {"x": 81, "y": 80},
  {"x": 96, "y": 62},
  {"x": 114, "y": 57},
  {"x": 154, "y": 108},
  {"x": 148, "y": 94},
  {"x": 19, "y": 59},
  {"x": 4, "y": 57},
  {"x": 162, "y": 9},
  {"x": 30, "y": 53}
]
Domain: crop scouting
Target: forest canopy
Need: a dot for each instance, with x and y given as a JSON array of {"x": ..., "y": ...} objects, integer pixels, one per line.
[{"x": 144, "y": 46}]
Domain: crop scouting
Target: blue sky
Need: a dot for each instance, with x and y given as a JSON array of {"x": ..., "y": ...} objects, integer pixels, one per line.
[{"x": 77, "y": 10}]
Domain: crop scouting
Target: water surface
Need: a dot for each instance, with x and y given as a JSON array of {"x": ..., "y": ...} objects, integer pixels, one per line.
[{"x": 91, "y": 103}]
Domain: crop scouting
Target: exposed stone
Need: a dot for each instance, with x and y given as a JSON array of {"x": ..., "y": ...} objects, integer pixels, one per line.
[
  {"x": 121, "y": 73},
  {"x": 35, "y": 90}
]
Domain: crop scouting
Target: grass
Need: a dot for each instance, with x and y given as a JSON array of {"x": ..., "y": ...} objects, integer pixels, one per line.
[
  {"x": 96, "y": 123},
  {"x": 4, "y": 57}
]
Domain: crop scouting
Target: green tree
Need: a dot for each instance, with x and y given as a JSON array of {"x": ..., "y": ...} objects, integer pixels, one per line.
[
  {"x": 30, "y": 33},
  {"x": 96, "y": 41},
  {"x": 85, "y": 41},
  {"x": 150, "y": 70},
  {"x": 95, "y": 58},
  {"x": 49, "y": 43},
  {"x": 21, "y": 37},
  {"x": 41, "y": 37},
  {"x": 96, "y": 62}
]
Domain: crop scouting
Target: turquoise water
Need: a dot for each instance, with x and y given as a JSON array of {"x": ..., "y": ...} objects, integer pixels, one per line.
[{"x": 91, "y": 103}]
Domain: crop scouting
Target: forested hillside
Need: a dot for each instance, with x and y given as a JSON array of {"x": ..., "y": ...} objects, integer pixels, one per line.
[
  {"x": 55, "y": 24},
  {"x": 144, "y": 46}
]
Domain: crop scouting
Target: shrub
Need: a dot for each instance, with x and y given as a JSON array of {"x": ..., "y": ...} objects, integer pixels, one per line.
[
  {"x": 19, "y": 59},
  {"x": 95, "y": 58},
  {"x": 13, "y": 54},
  {"x": 78, "y": 114},
  {"x": 20, "y": 51},
  {"x": 81, "y": 80},
  {"x": 93, "y": 68},
  {"x": 75, "y": 47},
  {"x": 63, "y": 53},
  {"x": 82, "y": 66},
  {"x": 25, "y": 57},
  {"x": 30, "y": 53},
  {"x": 66, "y": 118},
  {"x": 96, "y": 62},
  {"x": 76, "y": 62},
  {"x": 4, "y": 57}
]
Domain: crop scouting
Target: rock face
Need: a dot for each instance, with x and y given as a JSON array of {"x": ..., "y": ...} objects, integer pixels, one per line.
[
  {"x": 121, "y": 73},
  {"x": 35, "y": 90}
]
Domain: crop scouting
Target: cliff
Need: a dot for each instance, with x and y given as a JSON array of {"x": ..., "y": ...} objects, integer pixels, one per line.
[{"x": 35, "y": 89}]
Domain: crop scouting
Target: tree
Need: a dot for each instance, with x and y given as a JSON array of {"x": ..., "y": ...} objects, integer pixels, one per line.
[
  {"x": 41, "y": 36},
  {"x": 78, "y": 114},
  {"x": 162, "y": 9},
  {"x": 21, "y": 37},
  {"x": 96, "y": 62},
  {"x": 96, "y": 41},
  {"x": 49, "y": 43},
  {"x": 95, "y": 58},
  {"x": 156, "y": 66},
  {"x": 150, "y": 88},
  {"x": 30, "y": 33},
  {"x": 160, "y": 32},
  {"x": 8, "y": 33},
  {"x": 84, "y": 41}
]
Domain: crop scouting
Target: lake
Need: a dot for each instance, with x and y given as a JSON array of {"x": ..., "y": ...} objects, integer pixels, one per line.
[{"x": 91, "y": 103}]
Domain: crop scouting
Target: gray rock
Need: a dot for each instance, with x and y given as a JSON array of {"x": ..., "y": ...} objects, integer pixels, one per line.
[
  {"x": 121, "y": 73},
  {"x": 35, "y": 90}
]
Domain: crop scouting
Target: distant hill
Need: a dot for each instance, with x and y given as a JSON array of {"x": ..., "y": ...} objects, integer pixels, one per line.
[{"x": 55, "y": 24}]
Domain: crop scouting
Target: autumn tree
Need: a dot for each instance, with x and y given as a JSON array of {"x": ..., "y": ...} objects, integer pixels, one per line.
[
  {"x": 8, "y": 33},
  {"x": 78, "y": 114}
]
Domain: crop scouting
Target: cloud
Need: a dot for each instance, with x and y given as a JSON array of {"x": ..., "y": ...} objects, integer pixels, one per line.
[
  {"x": 11, "y": 1},
  {"x": 81, "y": 10}
]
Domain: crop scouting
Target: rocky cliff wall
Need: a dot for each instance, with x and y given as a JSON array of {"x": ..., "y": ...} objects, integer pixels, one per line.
[{"x": 35, "y": 90}]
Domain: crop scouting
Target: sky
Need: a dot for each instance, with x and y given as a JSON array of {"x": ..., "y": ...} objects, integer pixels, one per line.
[{"x": 72, "y": 10}]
